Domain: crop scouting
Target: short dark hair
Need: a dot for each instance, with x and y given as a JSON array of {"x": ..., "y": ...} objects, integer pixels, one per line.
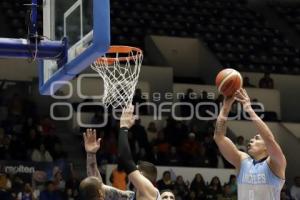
[
  {"x": 90, "y": 188},
  {"x": 148, "y": 170}
]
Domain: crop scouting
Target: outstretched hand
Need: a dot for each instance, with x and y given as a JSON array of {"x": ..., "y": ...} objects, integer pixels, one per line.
[
  {"x": 91, "y": 144},
  {"x": 127, "y": 119}
]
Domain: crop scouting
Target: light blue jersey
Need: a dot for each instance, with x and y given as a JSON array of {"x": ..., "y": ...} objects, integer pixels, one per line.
[{"x": 257, "y": 181}]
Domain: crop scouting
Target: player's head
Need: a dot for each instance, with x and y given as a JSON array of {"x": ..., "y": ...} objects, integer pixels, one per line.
[
  {"x": 148, "y": 170},
  {"x": 167, "y": 195},
  {"x": 257, "y": 147},
  {"x": 91, "y": 189}
]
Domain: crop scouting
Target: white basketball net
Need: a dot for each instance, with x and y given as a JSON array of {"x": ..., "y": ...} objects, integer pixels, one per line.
[{"x": 120, "y": 77}]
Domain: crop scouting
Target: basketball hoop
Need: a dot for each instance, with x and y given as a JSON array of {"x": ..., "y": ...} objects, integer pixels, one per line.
[{"x": 119, "y": 68}]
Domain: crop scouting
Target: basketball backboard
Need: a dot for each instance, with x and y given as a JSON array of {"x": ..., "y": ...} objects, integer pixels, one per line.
[{"x": 86, "y": 26}]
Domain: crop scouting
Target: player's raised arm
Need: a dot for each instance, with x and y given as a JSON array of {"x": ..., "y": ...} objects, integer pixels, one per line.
[
  {"x": 91, "y": 145},
  {"x": 277, "y": 158},
  {"x": 226, "y": 146},
  {"x": 89, "y": 185},
  {"x": 140, "y": 182}
]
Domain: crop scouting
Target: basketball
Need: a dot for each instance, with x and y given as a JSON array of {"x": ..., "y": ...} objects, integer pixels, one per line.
[{"x": 228, "y": 81}]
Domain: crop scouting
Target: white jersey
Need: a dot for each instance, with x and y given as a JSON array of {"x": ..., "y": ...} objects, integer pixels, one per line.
[{"x": 256, "y": 181}]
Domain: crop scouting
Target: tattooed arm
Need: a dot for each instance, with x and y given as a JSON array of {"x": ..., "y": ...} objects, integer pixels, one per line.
[
  {"x": 113, "y": 193},
  {"x": 91, "y": 165},
  {"x": 226, "y": 146},
  {"x": 92, "y": 145}
]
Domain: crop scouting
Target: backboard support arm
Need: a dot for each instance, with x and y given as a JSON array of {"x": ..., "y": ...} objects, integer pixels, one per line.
[{"x": 22, "y": 48}]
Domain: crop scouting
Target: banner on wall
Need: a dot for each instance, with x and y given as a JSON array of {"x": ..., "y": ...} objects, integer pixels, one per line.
[{"x": 40, "y": 171}]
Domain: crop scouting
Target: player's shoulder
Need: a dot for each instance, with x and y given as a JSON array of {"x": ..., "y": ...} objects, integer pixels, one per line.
[
  {"x": 158, "y": 195},
  {"x": 244, "y": 156},
  {"x": 244, "y": 159},
  {"x": 155, "y": 195}
]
